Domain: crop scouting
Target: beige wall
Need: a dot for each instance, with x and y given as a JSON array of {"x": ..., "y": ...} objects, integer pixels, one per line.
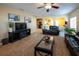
[
  {"x": 73, "y": 14},
  {"x": 4, "y": 10}
]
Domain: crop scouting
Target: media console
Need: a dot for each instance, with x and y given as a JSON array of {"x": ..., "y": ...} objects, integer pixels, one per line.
[
  {"x": 19, "y": 31},
  {"x": 17, "y": 35}
]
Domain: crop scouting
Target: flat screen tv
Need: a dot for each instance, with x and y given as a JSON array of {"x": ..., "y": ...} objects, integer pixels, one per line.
[{"x": 20, "y": 26}]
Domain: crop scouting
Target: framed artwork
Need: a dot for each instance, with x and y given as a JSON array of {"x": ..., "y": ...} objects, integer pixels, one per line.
[
  {"x": 13, "y": 17},
  {"x": 27, "y": 19}
]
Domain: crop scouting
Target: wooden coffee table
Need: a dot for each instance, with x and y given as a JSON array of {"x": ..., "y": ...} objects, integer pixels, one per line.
[{"x": 44, "y": 48}]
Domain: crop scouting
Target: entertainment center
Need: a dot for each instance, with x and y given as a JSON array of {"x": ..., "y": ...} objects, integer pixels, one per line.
[{"x": 18, "y": 30}]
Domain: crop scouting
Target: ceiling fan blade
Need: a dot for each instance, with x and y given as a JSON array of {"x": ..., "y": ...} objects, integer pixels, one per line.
[
  {"x": 55, "y": 7},
  {"x": 52, "y": 3},
  {"x": 40, "y": 7}
]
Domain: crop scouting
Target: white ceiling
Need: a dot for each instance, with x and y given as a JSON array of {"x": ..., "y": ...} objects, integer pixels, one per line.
[{"x": 65, "y": 8}]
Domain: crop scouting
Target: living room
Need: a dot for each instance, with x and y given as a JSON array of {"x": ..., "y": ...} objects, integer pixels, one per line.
[{"x": 16, "y": 17}]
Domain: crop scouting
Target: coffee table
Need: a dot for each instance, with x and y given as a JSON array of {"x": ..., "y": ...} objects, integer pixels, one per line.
[{"x": 43, "y": 47}]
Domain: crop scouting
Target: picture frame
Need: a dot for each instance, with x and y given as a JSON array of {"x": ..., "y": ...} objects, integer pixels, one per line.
[
  {"x": 27, "y": 19},
  {"x": 13, "y": 17}
]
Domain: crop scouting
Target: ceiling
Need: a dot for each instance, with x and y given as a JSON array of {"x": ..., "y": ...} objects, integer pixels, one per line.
[{"x": 64, "y": 9}]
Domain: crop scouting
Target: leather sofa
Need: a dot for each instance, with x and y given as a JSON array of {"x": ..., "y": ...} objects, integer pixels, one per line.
[
  {"x": 72, "y": 43},
  {"x": 53, "y": 30}
]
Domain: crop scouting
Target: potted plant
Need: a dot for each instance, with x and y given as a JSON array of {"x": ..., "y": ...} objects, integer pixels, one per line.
[{"x": 70, "y": 30}]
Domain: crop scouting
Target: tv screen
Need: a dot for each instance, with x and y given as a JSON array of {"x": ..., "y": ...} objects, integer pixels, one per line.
[{"x": 20, "y": 26}]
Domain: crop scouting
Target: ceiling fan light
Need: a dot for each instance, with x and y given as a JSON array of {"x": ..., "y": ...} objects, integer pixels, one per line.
[{"x": 48, "y": 7}]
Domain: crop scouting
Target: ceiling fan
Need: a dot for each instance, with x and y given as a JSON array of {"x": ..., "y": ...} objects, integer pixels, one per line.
[{"x": 48, "y": 6}]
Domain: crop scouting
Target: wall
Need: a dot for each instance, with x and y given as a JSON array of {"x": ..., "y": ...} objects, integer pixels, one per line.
[
  {"x": 73, "y": 14},
  {"x": 4, "y": 10},
  {"x": 32, "y": 25},
  {"x": 60, "y": 19}
]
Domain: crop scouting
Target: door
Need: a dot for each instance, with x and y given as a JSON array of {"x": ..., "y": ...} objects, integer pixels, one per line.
[{"x": 39, "y": 23}]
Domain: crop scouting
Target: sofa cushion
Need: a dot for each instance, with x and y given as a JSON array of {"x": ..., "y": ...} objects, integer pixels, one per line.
[{"x": 54, "y": 28}]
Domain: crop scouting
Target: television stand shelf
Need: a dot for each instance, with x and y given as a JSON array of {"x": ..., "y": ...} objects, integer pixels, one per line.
[{"x": 19, "y": 34}]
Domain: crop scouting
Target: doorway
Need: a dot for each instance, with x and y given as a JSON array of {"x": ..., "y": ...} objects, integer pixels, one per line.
[{"x": 39, "y": 23}]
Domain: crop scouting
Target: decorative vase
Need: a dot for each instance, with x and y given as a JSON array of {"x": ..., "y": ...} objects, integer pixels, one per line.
[{"x": 47, "y": 39}]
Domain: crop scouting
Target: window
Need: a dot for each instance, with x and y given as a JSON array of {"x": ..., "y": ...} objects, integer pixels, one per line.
[{"x": 73, "y": 23}]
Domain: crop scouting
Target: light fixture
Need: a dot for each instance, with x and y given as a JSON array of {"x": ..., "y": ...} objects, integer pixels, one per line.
[{"x": 48, "y": 6}]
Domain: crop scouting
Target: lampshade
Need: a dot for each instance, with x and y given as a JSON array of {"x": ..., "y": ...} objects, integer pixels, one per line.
[{"x": 10, "y": 29}]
